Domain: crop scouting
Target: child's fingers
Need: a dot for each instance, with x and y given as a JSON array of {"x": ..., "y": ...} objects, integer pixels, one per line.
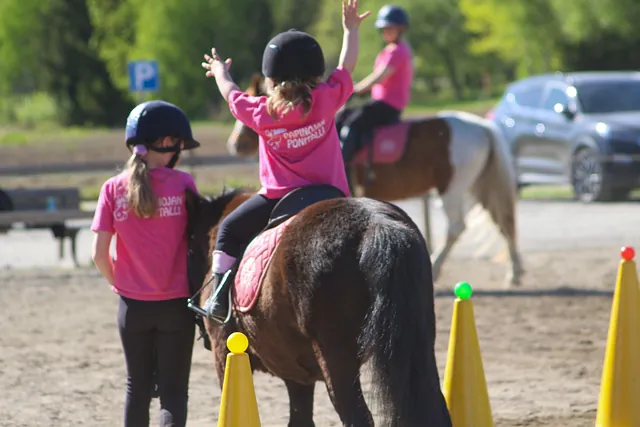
[
  {"x": 206, "y": 65},
  {"x": 364, "y": 15}
]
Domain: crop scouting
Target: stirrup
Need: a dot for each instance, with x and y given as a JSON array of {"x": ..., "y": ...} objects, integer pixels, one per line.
[
  {"x": 191, "y": 303},
  {"x": 220, "y": 320}
]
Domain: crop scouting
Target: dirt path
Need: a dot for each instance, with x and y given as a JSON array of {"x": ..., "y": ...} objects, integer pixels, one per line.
[{"x": 61, "y": 361}]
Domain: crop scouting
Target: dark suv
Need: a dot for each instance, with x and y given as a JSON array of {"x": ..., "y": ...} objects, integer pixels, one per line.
[{"x": 581, "y": 129}]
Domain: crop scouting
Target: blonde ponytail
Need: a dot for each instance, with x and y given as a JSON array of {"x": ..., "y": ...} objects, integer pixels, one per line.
[
  {"x": 142, "y": 201},
  {"x": 288, "y": 95}
]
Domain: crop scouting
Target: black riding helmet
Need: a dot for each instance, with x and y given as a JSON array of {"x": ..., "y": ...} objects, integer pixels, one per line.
[
  {"x": 152, "y": 120},
  {"x": 292, "y": 55}
]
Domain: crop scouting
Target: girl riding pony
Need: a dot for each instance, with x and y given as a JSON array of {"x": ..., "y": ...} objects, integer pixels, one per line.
[
  {"x": 144, "y": 206},
  {"x": 299, "y": 143},
  {"x": 389, "y": 84}
]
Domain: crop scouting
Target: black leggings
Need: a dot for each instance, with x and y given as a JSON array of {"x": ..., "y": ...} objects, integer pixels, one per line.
[
  {"x": 361, "y": 122},
  {"x": 168, "y": 328},
  {"x": 243, "y": 224}
]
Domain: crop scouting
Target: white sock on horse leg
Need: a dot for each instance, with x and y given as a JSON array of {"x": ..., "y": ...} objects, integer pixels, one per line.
[{"x": 222, "y": 262}]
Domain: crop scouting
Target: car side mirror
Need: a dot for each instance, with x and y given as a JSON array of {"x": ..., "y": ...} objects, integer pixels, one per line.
[{"x": 565, "y": 111}]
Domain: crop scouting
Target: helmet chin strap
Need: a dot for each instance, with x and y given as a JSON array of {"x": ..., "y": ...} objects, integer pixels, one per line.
[{"x": 174, "y": 159}]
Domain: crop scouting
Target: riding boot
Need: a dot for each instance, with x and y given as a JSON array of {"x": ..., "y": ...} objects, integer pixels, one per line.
[{"x": 218, "y": 304}]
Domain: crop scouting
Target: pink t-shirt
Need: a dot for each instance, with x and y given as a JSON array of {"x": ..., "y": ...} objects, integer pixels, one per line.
[
  {"x": 395, "y": 90},
  {"x": 151, "y": 253},
  {"x": 295, "y": 151}
]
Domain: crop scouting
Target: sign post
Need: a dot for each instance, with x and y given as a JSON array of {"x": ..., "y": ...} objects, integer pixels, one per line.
[{"x": 144, "y": 76}]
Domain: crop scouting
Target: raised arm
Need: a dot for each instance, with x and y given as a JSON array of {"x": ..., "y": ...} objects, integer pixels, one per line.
[{"x": 350, "y": 41}]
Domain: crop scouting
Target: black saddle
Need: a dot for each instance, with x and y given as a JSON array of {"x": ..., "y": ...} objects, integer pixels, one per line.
[{"x": 296, "y": 200}]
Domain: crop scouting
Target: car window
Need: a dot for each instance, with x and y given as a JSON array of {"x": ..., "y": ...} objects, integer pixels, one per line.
[
  {"x": 527, "y": 96},
  {"x": 555, "y": 96},
  {"x": 609, "y": 96}
]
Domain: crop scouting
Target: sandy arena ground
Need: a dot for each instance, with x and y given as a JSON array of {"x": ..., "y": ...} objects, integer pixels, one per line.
[{"x": 61, "y": 363}]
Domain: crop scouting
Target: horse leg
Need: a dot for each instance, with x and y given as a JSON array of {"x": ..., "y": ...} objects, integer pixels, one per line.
[
  {"x": 515, "y": 274},
  {"x": 453, "y": 204},
  {"x": 300, "y": 404},
  {"x": 469, "y": 160},
  {"x": 340, "y": 367}
]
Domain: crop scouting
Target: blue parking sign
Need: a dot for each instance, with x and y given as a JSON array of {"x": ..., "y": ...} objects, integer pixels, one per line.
[{"x": 144, "y": 76}]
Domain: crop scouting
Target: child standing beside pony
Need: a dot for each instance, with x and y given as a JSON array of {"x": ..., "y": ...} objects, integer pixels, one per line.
[
  {"x": 299, "y": 143},
  {"x": 145, "y": 207}
]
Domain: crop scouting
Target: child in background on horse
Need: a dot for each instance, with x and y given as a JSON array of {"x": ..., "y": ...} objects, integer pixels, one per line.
[
  {"x": 144, "y": 206},
  {"x": 299, "y": 143},
  {"x": 389, "y": 84}
]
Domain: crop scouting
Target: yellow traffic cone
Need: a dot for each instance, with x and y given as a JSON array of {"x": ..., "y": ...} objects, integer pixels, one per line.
[
  {"x": 618, "y": 405},
  {"x": 238, "y": 404},
  {"x": 465, "y": 388}
]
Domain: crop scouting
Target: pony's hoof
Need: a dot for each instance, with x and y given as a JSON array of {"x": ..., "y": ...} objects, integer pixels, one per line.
[{"x": 513, "y": 282}]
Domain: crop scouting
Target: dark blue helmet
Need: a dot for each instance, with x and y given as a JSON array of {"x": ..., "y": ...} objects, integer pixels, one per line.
[
  {"x": 392, "y": 15},
  {"x": 156, "y": 119}
]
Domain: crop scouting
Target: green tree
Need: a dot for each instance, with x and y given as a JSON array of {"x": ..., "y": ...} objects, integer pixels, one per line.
[
  {"x": 179, "y": 36},
  {"x": 114, "y": 35},
  {"x": 19, "y": 49},
  {"x": 526, "y": 33},
  {"x": 71, "y": 70}
]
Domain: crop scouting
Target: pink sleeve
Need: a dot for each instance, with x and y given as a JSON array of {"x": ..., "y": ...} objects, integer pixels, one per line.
[
  {"x": 250, "y": 110},
  {"x": 339, "y": 87},
  {"x": 103, "y": 217},
  {"x": 396, "y": 58}
]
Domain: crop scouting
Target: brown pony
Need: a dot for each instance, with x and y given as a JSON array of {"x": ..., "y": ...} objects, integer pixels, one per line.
[
  {"x": 347, "y": 283},
  {"x": 455, "y": 153}
]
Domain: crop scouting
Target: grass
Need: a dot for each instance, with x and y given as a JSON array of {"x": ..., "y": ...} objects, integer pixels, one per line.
[
  {"x": 546, "y": 192},
  {"x": 47, "y": 131},
  {"x": 91, "y": 193}
]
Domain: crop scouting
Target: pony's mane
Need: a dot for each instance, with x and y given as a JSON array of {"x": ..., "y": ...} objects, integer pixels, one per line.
[
  {"x": 226, "y": 195},
  {"x": 256, "y": 86},
  {"x": 215, "y": 207}
]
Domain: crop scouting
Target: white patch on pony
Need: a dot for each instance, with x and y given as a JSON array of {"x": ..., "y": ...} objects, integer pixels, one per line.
[
  {"x": 235, "y": 133},
  {"x": 483, "y": 168}
]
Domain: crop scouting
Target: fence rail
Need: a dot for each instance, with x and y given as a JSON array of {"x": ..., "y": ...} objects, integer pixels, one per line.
[
  {"x": 105, "y": 166},
  {"x": 39, "y": 217}
]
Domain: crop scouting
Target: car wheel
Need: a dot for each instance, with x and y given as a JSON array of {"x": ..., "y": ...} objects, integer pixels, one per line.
[{"x": 590, "y": 183}]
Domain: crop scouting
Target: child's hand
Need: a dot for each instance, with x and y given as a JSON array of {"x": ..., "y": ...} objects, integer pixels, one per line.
[
  {"x": 350, "y": 18},
  {"x": 214, "y": 64}
]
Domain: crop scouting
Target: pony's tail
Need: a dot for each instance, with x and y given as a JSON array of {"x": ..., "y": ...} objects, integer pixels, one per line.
[
  {"x": 399, "y": 331},
  {"x": 496, "y": 188}
]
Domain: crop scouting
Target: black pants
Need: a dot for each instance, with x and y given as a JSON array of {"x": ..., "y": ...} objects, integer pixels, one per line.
[
  {"x": 361, "y": 122},
  {"x": 162, "y": 333},
  {"x": 243, "y": 224}
]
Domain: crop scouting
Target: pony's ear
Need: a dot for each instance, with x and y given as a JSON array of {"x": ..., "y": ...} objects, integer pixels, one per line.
[{"x": 256, "y": 83}]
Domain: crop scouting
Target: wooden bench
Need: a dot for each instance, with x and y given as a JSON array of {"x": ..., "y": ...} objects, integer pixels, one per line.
[{"x": 42, "y": 208}]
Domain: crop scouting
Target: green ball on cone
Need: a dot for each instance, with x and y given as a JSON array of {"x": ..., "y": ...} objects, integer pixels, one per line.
[{"x": 463, "y": 290}]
